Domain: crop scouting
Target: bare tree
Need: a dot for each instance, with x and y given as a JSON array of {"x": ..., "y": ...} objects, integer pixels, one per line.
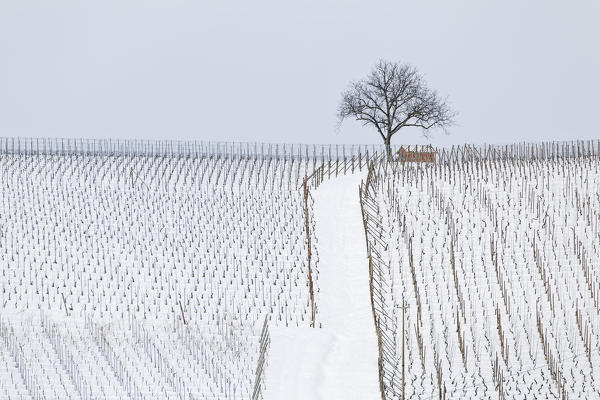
[{"x": 392, "y": 97}]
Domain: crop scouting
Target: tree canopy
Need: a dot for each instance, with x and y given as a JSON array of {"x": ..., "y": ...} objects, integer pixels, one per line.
[{"x": 392, "y": 97}]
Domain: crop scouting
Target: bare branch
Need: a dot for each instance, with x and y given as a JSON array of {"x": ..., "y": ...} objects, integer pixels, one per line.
[{"x": 392, "y": 97}]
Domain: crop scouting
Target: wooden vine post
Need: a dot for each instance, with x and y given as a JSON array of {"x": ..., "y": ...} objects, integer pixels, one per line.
[
  {"x": 182, "y": 314},
  {"x": 65, "y": 303},
  {"x": 307, "y": 225},
  {"x": 404, "y": 307}
]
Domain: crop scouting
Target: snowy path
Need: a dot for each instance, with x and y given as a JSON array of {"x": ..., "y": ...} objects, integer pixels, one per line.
[{"x": 338, "y": 361}]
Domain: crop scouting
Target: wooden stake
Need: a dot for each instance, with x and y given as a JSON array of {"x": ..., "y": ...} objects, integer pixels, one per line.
[
  {"x": 182, "y": 315},
  {"x": 404, "y": 307},
  {"x": 308, "y": 238},
  {"x": 65, "y": 303}
]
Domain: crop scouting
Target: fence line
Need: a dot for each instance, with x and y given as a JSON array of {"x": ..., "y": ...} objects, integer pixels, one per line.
[
  {"x": 58, "y": 146},
  {"x": 328, "y": 169},
  {"x": 378, "y": 286},
  {"x": 328, "y": 152}
]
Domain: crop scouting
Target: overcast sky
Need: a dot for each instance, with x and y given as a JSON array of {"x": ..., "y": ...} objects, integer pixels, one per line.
[{"x": 273, "y": 70}]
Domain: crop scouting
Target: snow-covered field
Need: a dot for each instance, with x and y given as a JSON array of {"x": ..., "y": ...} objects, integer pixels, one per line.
[
  {"x": 185, "y": 274},
  {"x": 103, "y": 257}
]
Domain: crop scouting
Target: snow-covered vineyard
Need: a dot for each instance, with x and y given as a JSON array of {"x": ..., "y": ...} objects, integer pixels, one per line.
[
  {"x": 495, "y": 265},
  {"x": 156, "y": 269},
  {"x": 148, "y": 269}
]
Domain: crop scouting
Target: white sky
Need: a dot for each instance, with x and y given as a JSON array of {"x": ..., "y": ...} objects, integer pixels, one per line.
[{"x": 273, "y": 70}]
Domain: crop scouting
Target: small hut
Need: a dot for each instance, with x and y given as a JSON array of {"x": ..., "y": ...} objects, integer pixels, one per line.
[{"x": 425, "y": 154}]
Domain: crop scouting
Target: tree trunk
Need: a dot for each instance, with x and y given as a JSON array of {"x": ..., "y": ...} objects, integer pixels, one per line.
[{"x": 388, "y": 147}]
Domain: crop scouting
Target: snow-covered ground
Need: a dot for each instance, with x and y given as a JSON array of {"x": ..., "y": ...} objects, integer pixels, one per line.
[
  {"x": 339, "y": 359},
  {"x": 128, "y": 275},
  {"x": 113, "y": 252},
  {"x": 499, "y": 264}
]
